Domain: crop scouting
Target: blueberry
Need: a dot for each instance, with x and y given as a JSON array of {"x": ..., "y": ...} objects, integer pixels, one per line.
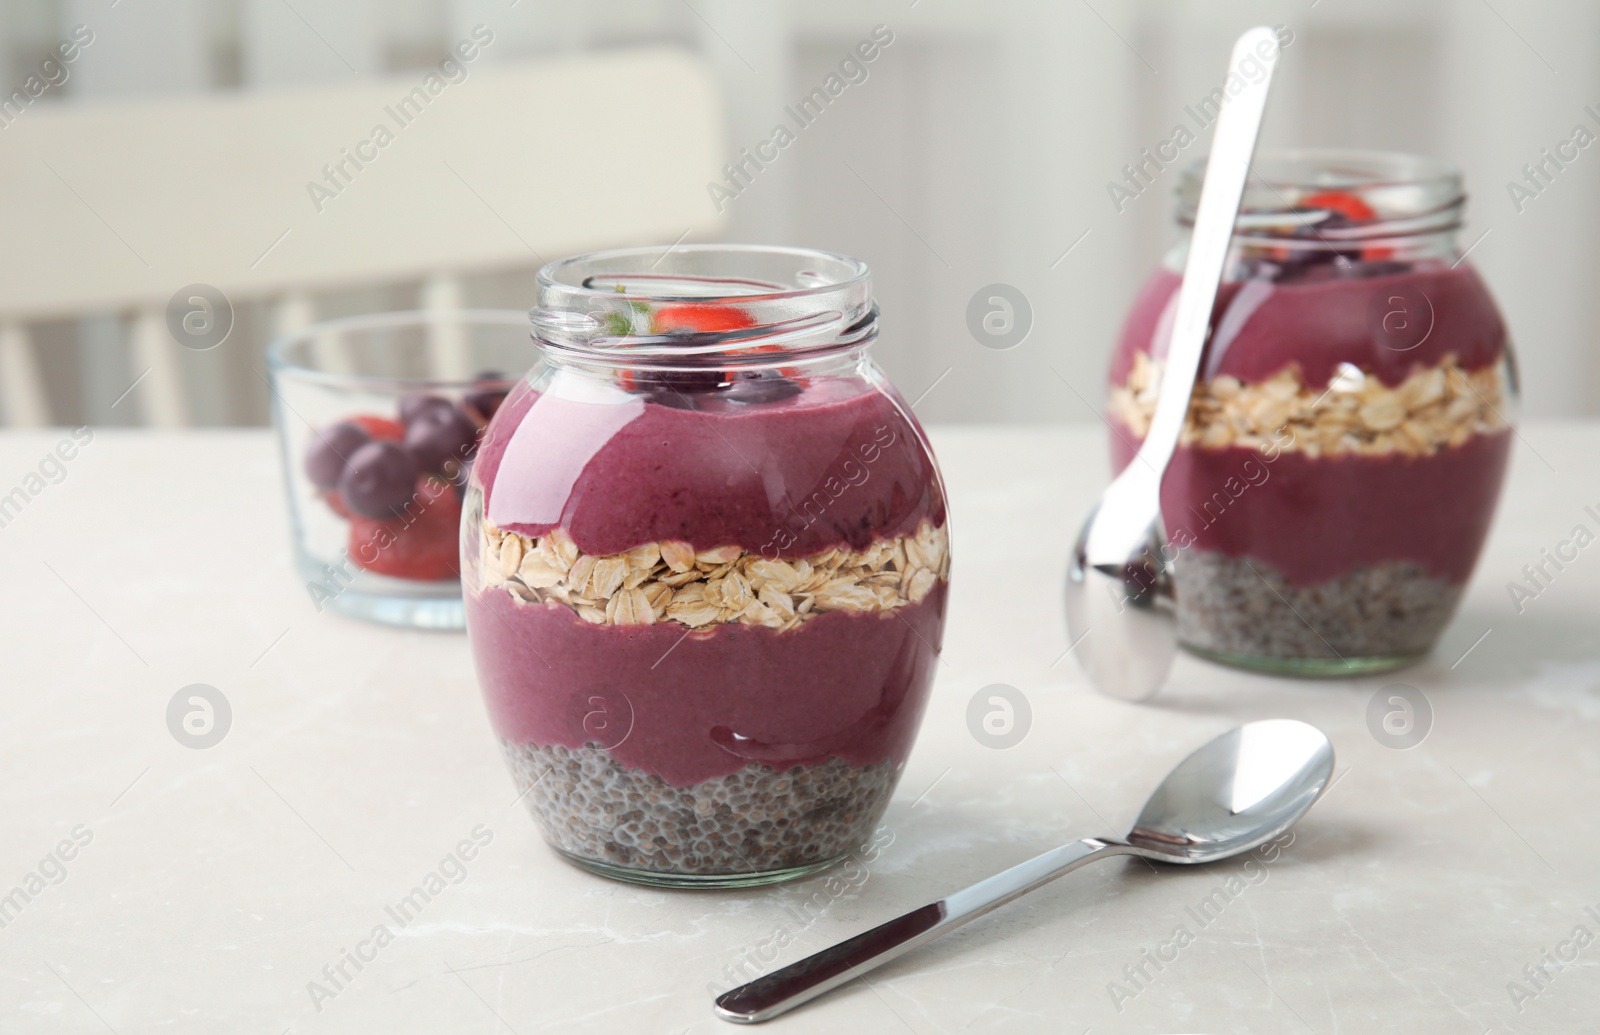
[
  {"x": 682, "y": 389},
  {"x": 490, "y": 388},
  {"x": 1306, "y": 257},
  {"x": 482, "y": 403},
  {"x": 379, "y": 479},
  {"x": 761, "y": 386},
  {"x": 415, "y": 407},
  {"x": 745, "y": 389},
  {"x": 439, "y": 436},
  {"x": 330, "y": 450},
  {"x": 686, "y": 381}
]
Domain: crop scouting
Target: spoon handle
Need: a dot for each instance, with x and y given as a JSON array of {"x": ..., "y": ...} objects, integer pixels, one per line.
[
  {"x": 1227, "y": 169},
  {"x": 782, "y": 990}
]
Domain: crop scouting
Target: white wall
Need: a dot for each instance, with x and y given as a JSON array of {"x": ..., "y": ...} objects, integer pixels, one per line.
[{"x": 977, "y": 151}]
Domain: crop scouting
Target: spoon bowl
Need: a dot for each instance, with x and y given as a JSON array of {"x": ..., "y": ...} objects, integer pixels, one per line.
[
  {"x": 1120, "y": 597},
  {"x": 1239, "y": 791}
]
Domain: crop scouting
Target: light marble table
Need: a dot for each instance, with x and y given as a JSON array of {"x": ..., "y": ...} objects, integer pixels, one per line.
[{"x": 208, "y": 887}]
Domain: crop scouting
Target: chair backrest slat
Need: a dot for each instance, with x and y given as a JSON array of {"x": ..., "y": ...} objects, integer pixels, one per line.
[
  {"x": 512, "y": 165},
  {"x": 23, "y": 402},
  {"x": 156, "y": 359},
  {"x": 274, "y": 194}
]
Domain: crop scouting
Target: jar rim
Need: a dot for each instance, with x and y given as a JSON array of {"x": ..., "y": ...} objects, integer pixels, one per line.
[
  {"x": 778, "y": 300},
  {"x": 1399, "y": 194},
  {"x": 559, "y": 277}
]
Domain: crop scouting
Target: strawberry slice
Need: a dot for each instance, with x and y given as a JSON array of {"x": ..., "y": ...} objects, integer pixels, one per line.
[
  {"x": 701, "y": 317},
  {"x": 381, "y": 428},
  {"x": 1347, "y": 205},
  {"x": 426, "y": 549},
  {"x": 1352, "y": 208}
]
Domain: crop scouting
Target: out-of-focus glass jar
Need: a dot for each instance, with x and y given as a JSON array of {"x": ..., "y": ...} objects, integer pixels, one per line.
[
  {"x": 1350, "y": 427},
  {"x": 705, "y": 566}
]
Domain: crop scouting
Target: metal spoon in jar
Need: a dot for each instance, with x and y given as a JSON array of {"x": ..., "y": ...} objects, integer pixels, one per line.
[
  {"x": 1119, "y": 586},
  {"x": 1236, "y": 793}
]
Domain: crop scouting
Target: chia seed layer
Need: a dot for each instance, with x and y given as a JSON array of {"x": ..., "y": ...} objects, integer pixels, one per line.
[
  {"x": 756, "y": 820},
  {"x": 1234, "y": 605}
]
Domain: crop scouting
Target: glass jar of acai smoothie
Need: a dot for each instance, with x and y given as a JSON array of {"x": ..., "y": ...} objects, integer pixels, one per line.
[
  {"x": 705, "y": 565},
  {"x": 1350, "y": 426}
]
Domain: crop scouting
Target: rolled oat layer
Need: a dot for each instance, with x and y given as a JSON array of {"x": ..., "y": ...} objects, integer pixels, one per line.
[
  {"x": 1433, "y": 409},
  {"x": 671, "y": 582},
  {"x": 756, "y": 820},
  {"x": 1237, "y": 606}
]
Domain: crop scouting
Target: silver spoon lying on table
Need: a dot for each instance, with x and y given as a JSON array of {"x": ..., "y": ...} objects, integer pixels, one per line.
[
  {"x": 1238, "y": 792},
  {"x": 1119, "y": 585}
]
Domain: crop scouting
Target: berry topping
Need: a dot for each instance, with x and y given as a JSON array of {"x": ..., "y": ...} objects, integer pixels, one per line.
[
  {"x": 423, "y": 546},
  {"x": 700, "y": 318},
  {"x": 681, "y": 382},
  {"x": 378, "y": 481},
  {"x": 439, "y": 436},
  {"x": 761, "y": 386},
  {"x": 1344, "y": 210},
  {"x": 330, "y": 450},
  {"x": 746, "y": 389},
  {"x": 1348, "y": 205},
  {"x": 381, "y": 428}
]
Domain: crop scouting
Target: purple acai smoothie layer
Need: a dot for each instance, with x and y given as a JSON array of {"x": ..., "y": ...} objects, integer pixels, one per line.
[
  {"x": 839, "y": 464},
  {"x": 1260, "y": 327},
  {"x": 694, "y": 707}
]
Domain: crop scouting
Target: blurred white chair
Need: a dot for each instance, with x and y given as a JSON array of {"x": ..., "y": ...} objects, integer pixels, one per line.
[{"x": 112, "y": 207}]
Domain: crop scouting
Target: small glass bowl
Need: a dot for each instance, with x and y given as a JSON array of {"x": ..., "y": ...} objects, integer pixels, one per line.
[{"x": 397, "y": 562}]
